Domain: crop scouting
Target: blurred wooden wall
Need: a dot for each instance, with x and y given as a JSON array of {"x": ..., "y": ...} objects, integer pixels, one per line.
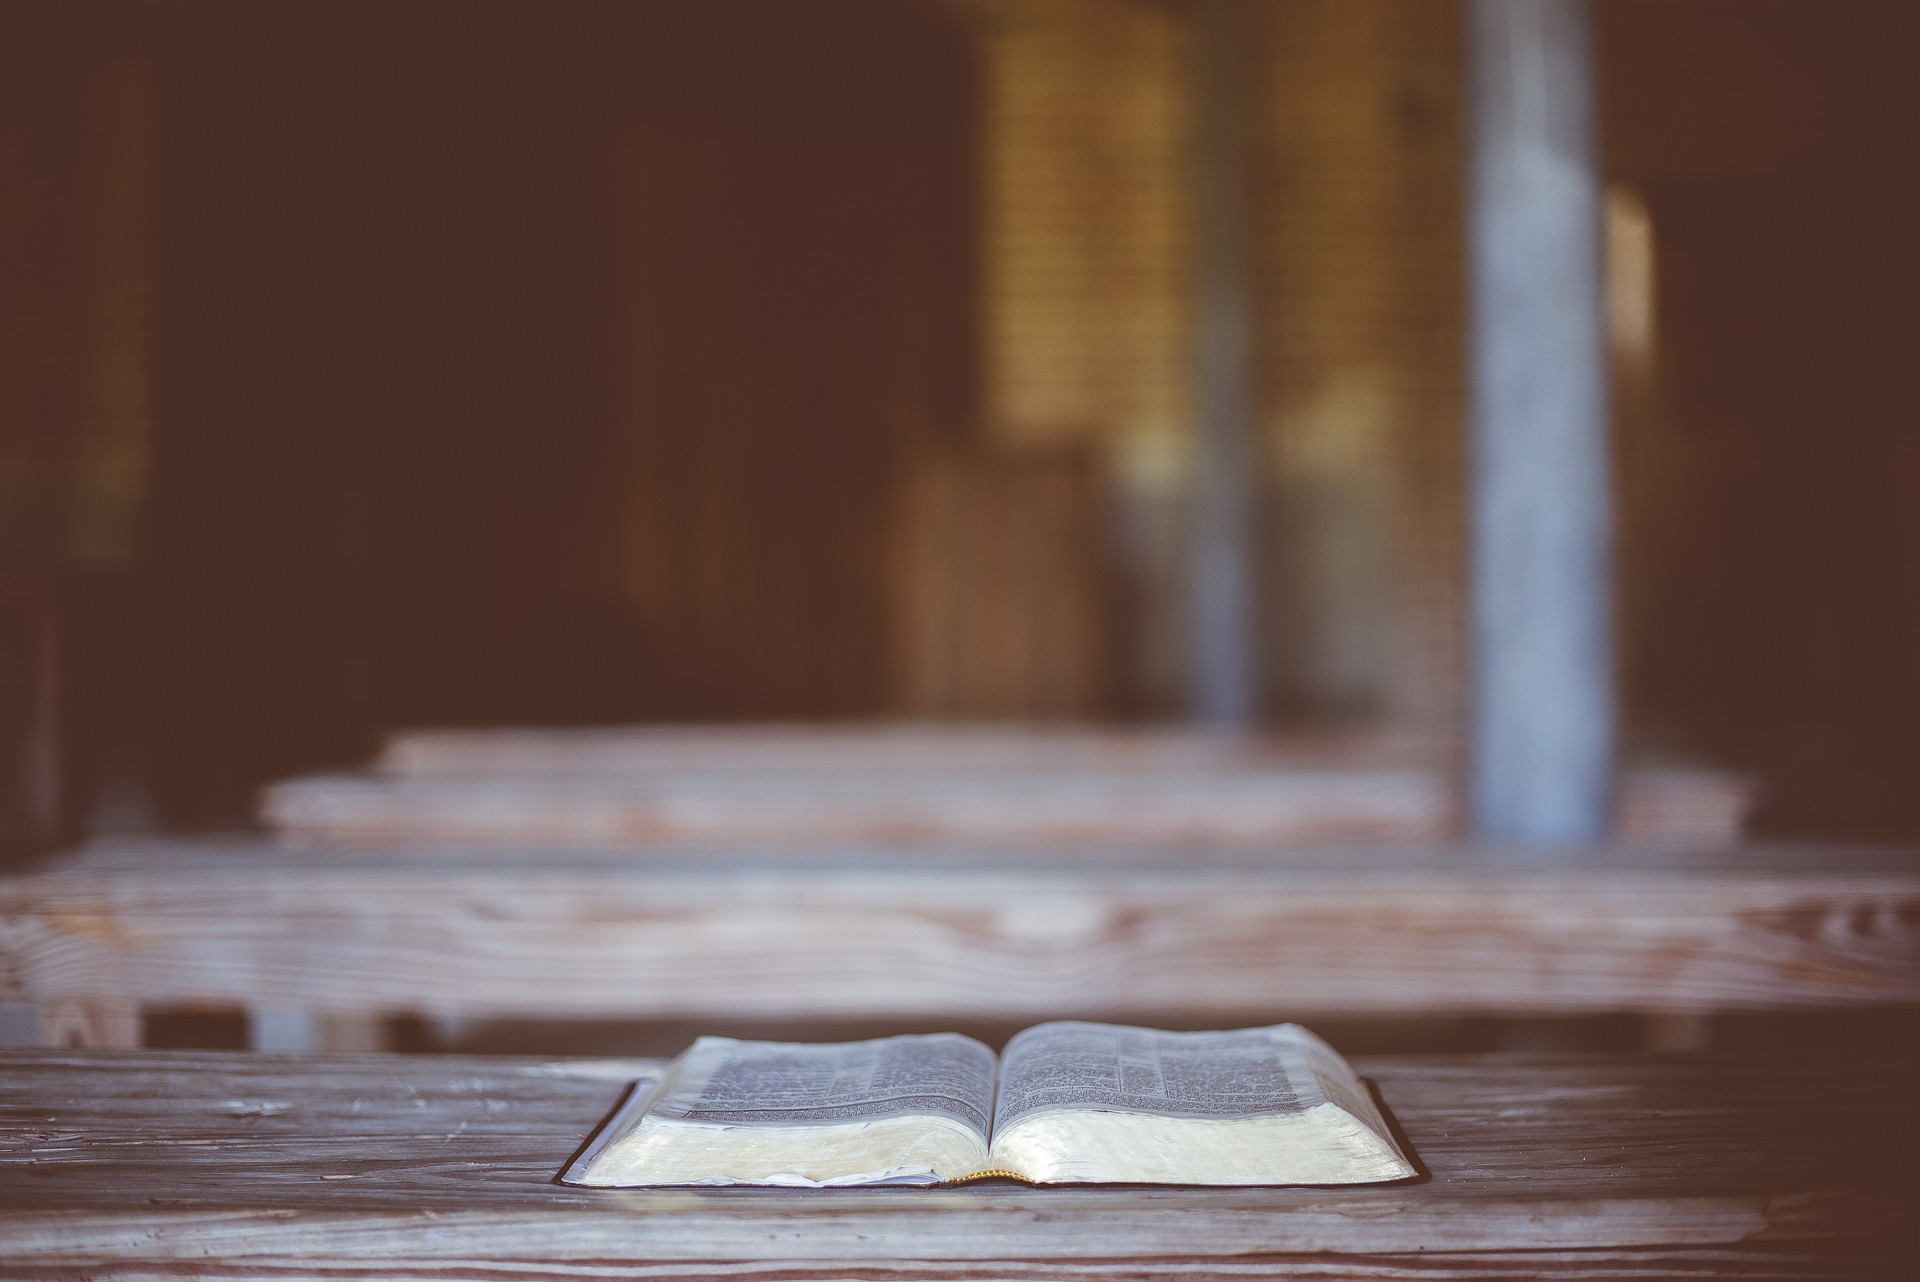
[
  {"x": 1359, "y": 167},
  {"x": 1086, "y": 270},
  {"x": 1001, "y": 604},
  {"x": 638, "y": 359},
  {"x": 802, "y": 244},
  {"x": 76, "y": 141},
  {"x": 1770, "y": 541},
  {"x": 1083, "y": 303}
]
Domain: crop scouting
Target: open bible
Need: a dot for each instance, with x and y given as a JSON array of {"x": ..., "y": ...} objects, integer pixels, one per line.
[{"x": 1067, "y": 1103}]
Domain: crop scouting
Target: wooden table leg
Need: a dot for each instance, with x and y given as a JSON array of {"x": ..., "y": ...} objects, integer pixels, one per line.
[
  {"x": 103, "y": 1023},
  {"x": 296, "y": 1028},
  {"x": 1679, "y": 1031}
]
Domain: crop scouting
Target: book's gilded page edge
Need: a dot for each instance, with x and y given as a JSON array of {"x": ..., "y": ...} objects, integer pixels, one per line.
[
  {"x": 639, "y": 1098},
  {"x": 1318, "y": 1067}
]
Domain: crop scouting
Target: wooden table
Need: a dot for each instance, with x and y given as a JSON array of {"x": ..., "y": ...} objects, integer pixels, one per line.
[
  {"x": 144, "y": 1165},
  {"x": 1229, "y": 935}
]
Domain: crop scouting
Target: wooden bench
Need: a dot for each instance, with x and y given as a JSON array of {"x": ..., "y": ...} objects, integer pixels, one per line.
[
  {"x": 930, "y": 783},
  {"x": 1131, "y": 934},
  {"x": 143, "y": 1165}
]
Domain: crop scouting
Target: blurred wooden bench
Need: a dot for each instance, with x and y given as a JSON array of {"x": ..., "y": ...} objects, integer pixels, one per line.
[
  {"x": 139, "y": 1165},
  {"x": 1021, "y": 932},
  {"x": 913, "y": 782}
]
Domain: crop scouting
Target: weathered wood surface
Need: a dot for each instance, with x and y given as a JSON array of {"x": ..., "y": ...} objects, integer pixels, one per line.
[
  {"x": 157, "y": 1165},
  {"x": 1028, "y": 804},
  {"x": 868, "y": 746},
  {"x": 1128, "y": 933},
  {"x": 910, "y": 782},
  {"x": 1296, "y": 806}
]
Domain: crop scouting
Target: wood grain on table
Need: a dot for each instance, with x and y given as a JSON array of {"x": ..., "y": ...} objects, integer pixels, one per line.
[{"x": 152, "y": 1164}]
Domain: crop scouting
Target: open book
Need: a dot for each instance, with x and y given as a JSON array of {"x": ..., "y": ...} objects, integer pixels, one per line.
[{"x": 1067, "y": 1103}]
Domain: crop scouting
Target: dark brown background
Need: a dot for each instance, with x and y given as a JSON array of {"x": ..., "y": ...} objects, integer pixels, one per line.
[{"x": 553, "y": 362}]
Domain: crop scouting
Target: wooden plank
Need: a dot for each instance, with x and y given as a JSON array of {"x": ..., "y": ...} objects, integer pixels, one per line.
[
  {"x": 867, "y": 746},
  {"x": 202, "y": 1164},
  {"x": 1223, "y": 802},
  {"x": 969, "y": 779},
  {"x": 1003, "y": 934},
  {"x": 1760, "y": 1263},
  {"x": 900, "y": 806}
]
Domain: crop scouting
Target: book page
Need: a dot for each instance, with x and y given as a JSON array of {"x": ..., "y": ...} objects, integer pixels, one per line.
[
  {"x": 1106, "y": 1104},
  {"x": 1142, "y": 1070},
  {"x": 726, "y": 1082}
]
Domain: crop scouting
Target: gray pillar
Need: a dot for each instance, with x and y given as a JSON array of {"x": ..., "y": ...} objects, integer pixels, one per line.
[
  {"x": 1542, "y": 679},
  {"x": 1224, "y": 655}
]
